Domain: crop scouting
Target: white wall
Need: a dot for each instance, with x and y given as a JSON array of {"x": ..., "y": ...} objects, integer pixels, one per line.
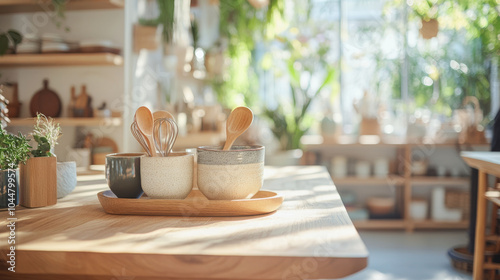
[{"x": 104, "y": 83}]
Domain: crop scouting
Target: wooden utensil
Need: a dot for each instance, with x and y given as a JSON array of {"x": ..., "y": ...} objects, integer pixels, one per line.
[
  {"x": 162, "y": 114},
  {"x": 144, "y": 119},
  {"x": 45, "y": 101},
  {"x": 238, "y": 122}
]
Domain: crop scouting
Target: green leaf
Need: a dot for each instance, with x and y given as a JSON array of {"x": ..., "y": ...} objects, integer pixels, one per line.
[
  {"x": 4, "y": 43},
  {"x": 16, "y": 37}
]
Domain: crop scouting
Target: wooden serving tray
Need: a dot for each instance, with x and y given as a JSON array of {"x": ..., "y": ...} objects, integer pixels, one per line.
[{"x": 195, "y": 205}]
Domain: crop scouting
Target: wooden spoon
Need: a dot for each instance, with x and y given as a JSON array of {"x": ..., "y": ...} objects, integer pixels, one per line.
[
  {"x": 144, "y": 119},
  {"x": 238, "y": 122},
  {"x": 162, "y": 114}
]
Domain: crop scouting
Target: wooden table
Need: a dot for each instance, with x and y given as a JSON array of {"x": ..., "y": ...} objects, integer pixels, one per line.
[
  {"x": 309, "y": 237},
  {"x": 486, "y": 163}
]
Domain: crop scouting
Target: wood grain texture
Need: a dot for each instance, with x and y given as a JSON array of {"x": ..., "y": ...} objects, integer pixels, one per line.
[
  {"x": 38, "y": 184},
  {"x": 26, "y": 6},
  {"x": 309, "y": 237},
  {"x": 489, "y": 162},
  {"x": 60, "y": 59},
  {"x": 195, "y": 205},
  {"x": 117, "y": 121},
  {"x": 238, "y": 122}
]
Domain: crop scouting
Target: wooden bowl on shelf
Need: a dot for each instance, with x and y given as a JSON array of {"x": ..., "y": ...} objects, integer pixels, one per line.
[{"x": 381, "y": 205}]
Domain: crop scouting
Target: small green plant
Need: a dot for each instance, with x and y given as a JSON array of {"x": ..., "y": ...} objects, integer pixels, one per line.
[
  {"x": 11, "y": 36},
  {"x": 43, "y": 149},
  {"x": 13, "y": 150},
  {"x": 45, "y": 133}
]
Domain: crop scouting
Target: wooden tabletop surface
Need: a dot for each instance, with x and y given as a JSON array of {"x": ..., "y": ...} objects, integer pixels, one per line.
[
  {"x": 309, "y": 237},
  {"x": 488, "y": 162}
]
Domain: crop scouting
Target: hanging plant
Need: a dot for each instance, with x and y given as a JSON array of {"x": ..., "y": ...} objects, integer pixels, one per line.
[
  {"x": 166, "y": 18},
  {"x": 60, "y": 16}
]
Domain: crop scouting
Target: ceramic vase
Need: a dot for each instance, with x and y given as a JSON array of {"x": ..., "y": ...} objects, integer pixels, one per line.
[
  {"x": 9, "y": 188},
  {"x": 66, "y": 178}
]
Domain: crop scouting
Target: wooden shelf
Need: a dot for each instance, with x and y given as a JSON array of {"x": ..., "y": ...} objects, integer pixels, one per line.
[
  {"x": 71, "y": 121},
  {"x": 430, "y": 224},
  {"x": 493, "y": 196},
  {"x": 317, "y": 141},
  {"x": 380, "y": 224},
  {"x": 27, "y": 6},
  {"x": 61, "y": 59},
  {"x": 370, "y": 181},
  {"x": 435, "y": 180}
]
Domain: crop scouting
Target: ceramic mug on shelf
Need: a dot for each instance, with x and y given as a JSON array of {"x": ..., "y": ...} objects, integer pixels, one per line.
[
  {"x": 363, "y": 169},
  {"x": 234, "y": 174},
  {"x": 339, "y": 167},
  {"x": 381, "y": 167},
  {"x": 169, "y": 177},
  {"x": 123, "y": 174}
]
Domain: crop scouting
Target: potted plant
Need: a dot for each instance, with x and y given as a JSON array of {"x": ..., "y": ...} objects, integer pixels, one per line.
[
  {"x": 10, "y": 38},
  {"x": 39, "y": 174},
  {"x": 427, "y": 10},
  {"x": 311, "y": 75},
  {"x": 13, "y": 150}
]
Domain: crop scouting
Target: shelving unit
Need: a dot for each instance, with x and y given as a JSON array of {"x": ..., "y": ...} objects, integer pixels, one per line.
[
  {"x": 370, "y": 181},
  {"x": 116, "y": 121},
  {"x": 11, "y": 10},
  {"x": 380, "y": 224},
  {"x": 402, "y": 179},
  {"x": 61, "y": 59},
  {"x": 445, "y": 181},
  {"x": 26, "y": 6}
]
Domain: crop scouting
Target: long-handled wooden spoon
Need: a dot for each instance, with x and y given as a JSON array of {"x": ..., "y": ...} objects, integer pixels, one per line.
[
  {"x": 162, "y": 114},
  {"x": 238, "y": 122},
  {"x": 144, "y": 119}
]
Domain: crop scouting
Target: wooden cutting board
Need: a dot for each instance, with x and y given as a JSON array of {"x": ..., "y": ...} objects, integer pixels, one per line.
[{"x": 45, "y": 101}]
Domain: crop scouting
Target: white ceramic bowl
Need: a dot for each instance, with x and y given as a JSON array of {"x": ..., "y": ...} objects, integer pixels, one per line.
[
  {"x": 167, "y": 177},
  {"x": 234, "y": 174}
]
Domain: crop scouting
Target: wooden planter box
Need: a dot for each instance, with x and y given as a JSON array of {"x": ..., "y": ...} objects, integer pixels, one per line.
[{"x": 38, "y": 182}]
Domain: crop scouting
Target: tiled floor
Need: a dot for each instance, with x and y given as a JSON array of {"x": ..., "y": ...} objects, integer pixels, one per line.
[{"x": 396, "y": 255}]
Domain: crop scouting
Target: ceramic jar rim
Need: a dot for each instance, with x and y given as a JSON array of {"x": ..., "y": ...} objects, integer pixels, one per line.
[
  {"x": 219, "y": 148},
  {"x": 125, "y": 155}
]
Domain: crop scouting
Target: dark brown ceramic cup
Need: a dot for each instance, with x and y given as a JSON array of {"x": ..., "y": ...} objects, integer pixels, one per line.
[{"x": 123, "y": 174}]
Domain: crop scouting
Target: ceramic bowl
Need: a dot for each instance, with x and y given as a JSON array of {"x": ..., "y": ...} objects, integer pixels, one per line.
[
  {"x": 168, "y": 177},
  {"x": 66, "y": 178},
  {"x": 234, "y": 174},
  {"x": 123, "y": 174}
]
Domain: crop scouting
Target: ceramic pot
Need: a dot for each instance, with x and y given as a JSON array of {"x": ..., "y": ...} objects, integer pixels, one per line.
[
  {"x": 66, "y": 178},
  {"x": 234, "y": 174},
  {"x": 168, "y": 177},
  {"x": 429, "y": 29},
  {"x": 38, "y": 182},
  {"x": 9, "y": 188},
  {"x": 123, "y": 174}
]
